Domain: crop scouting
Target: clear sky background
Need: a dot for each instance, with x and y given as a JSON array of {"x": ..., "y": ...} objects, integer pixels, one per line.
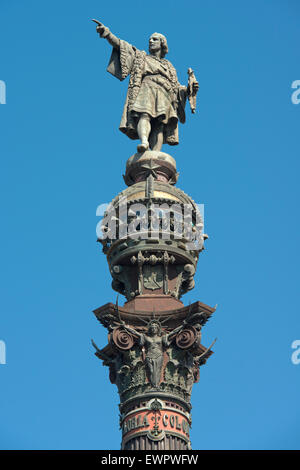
[{"x": 62, "y": 155}]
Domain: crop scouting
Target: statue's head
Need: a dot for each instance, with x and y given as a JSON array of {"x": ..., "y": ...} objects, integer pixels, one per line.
[
  {"x": 154, "y": 328},
  {"x": 158, "y": 42}
]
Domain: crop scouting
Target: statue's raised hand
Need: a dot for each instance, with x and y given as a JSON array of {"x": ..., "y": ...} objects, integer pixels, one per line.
[{"x": 102, "y": 30}]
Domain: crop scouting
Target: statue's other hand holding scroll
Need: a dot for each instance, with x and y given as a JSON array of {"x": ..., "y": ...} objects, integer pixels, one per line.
[
  {"x": 155, "y": 101},
  {"x": 195, "y": 87}
]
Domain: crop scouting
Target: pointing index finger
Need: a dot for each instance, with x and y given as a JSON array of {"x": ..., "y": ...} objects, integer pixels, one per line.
[{"x": 98, "y": 22}]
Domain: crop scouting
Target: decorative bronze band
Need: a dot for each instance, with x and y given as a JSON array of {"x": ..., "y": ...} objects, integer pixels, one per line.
[
  {"x": 160, "y": 395},
  {"x": 170, "y": 409},
  {"x": 155, "y": 423}
]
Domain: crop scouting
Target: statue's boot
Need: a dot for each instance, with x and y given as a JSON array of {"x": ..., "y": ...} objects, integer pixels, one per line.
[{"x": 143, "y": 146}]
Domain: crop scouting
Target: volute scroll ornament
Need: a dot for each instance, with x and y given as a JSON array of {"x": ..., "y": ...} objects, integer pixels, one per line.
[
  {"x": 186, "y": 338},
  {"x": 122, "y": 339}
]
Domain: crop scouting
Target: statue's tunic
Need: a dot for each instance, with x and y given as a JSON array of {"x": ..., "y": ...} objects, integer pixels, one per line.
[{"x": 153, "y": 89}]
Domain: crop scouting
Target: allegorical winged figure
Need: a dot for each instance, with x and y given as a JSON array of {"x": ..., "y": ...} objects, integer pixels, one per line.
[
  {"x": 155, "y": 100},
  {"x": 154, "y": 343}
]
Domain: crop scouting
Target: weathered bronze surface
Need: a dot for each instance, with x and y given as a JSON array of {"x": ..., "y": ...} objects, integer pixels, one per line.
[{"x": 154, "y": 351}]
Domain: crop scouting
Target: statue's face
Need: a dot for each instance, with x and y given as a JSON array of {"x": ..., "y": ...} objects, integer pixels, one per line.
[
  {"x": 153, "y": 329},
  {"x": 154, "y": 43}
]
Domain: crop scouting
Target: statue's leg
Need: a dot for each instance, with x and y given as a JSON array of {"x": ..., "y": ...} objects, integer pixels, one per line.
[
  {"x": 143, "y": 130},
  {"x": 150, "y": 366},
  {"x": 157, "y": 137}
]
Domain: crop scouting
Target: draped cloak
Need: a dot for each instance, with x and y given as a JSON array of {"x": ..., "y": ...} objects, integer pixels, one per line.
[{"x": 153, "y": 89}]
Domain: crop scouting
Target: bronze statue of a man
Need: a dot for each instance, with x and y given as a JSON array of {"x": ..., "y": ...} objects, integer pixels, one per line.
[{"x": 155, "y": 100}]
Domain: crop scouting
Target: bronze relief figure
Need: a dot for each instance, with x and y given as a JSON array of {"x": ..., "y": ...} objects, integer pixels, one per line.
[{"x": 154, "y": 342}]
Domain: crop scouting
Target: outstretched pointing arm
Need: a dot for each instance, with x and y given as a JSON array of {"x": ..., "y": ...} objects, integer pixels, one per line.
[{"x": 104, "y": 32}]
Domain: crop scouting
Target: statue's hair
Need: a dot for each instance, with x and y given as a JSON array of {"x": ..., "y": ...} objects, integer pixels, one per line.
[{"x": 164, "y": 44}]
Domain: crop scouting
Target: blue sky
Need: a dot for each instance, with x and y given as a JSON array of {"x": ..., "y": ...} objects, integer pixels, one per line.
[{"x": 62, "y": 155}]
